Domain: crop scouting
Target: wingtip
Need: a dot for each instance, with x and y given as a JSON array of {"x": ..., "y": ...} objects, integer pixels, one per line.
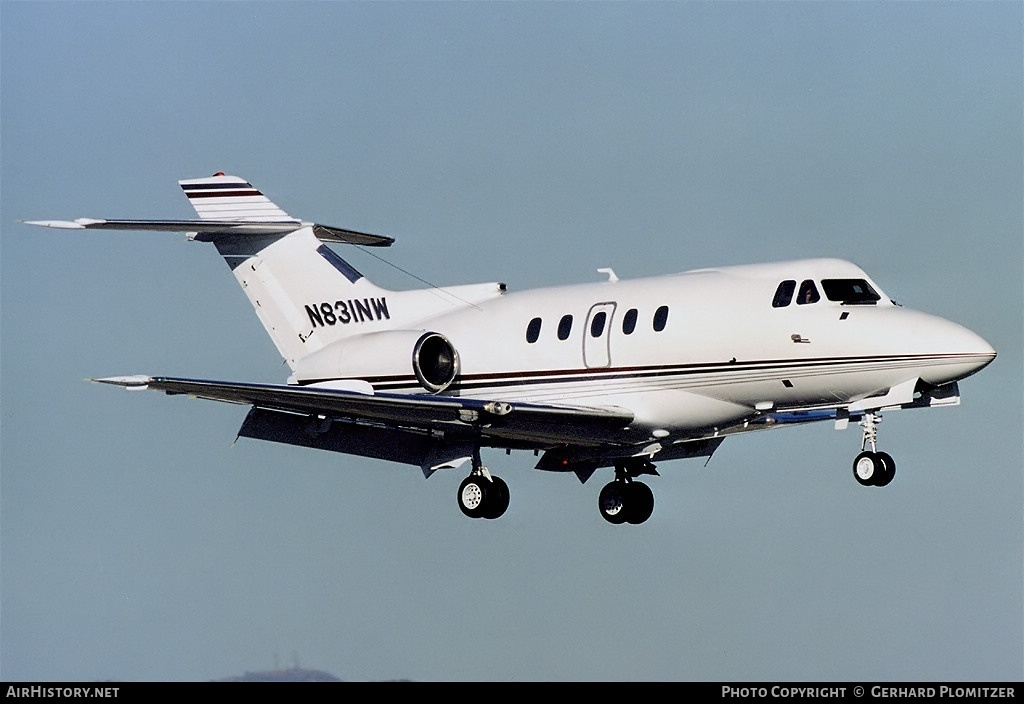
[
  {"x": 131, "y": 382},
  {"x": 59, "y": 224}
]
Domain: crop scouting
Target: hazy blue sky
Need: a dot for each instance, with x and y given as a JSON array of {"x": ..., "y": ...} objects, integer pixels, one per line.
[{"x": 528, "y": 143}]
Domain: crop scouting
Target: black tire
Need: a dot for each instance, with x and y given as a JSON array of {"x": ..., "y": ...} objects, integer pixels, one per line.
[
  {"x": 888, "y": 469},
  {"x": 639, "y": 502},
  {"x": 612, "y": 502},
  {"x": 473, "y": 496},
  {"x": 496, "y": 499}
]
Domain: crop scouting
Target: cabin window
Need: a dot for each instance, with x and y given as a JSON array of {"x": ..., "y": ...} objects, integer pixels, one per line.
[
  {"x": 597, "y": 324},
  {"x": 784, "y": 294},
  {"x": 849, "y": 291},
  {"x": 564, "y": 327},
  {"x": 660, "y": 318},
  {"x": 808, "y": 293},
  {"x": 533, "y": 330},
  {"x": 629, "y": 321}
]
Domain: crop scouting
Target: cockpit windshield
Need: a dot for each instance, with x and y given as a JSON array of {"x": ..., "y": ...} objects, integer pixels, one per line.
[{"x": 850, "y": 291}]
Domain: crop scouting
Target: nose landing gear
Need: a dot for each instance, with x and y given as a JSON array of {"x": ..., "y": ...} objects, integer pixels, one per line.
[
  {"x": 874, "y": 468},
  {"x": 871, "y": 467}
]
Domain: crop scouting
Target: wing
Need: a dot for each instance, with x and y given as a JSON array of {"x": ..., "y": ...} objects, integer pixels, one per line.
[{"x": 449, "y": 418}]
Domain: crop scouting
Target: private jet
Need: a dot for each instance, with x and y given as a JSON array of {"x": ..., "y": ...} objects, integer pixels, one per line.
[{"x": 615, "y": 373}]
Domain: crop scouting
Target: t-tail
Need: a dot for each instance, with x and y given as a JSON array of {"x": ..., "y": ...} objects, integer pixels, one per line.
[{"x": 306, "y": 295}]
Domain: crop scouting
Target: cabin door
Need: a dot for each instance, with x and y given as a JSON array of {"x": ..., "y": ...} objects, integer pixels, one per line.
[{"x": 597, "y": 335}]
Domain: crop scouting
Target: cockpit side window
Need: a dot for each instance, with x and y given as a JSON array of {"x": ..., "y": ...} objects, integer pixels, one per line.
[
  {"x": 808, "y": 293},
  {"x": 784, "y": 294},
  {"x": 850, "y": 291}
]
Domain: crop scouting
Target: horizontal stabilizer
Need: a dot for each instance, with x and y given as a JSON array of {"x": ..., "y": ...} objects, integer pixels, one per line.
[
  {"x": 226, "y": 205},
  {"x": 208, "y": 229},
  {"x": 336, "y": 234},
  {"x": 234, "y": 227}
]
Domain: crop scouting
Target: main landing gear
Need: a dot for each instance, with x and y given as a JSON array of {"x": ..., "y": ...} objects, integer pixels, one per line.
[
  {"x": 872, "y": 468},
  {"x": 482, "y": 494},
  {"x": 625, "y": 500}
]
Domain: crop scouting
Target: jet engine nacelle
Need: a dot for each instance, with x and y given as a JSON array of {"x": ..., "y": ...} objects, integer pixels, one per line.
[{"x": 429, "y": 355}]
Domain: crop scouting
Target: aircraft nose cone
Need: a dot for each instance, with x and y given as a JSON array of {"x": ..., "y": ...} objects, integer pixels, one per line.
[
  {"x": 968, "y": 342},
  {"x": 983, "y": 351},
  {"x": 966, "y": 351}
]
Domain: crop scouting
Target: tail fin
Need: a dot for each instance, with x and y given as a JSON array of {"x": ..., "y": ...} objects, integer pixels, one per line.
[
  {"x": 303, "y": 292},
  {"x": 223, "y": 197}
]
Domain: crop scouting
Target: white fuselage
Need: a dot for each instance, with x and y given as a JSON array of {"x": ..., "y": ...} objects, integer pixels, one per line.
[{"x": 723, "y": 352}]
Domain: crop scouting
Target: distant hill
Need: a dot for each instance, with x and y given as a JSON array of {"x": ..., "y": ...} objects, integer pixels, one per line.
[{"x": 292, "y": 674}]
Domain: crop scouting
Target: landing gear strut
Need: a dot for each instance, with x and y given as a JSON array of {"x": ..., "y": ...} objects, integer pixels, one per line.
[
  {"x": 872, "y": 468},
  {"x": 625, "y": 500},
  {"x": 482, "y": 494}
]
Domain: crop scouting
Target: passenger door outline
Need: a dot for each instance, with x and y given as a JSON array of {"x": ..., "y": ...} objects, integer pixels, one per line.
[{"x": 597, "y": 350}]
